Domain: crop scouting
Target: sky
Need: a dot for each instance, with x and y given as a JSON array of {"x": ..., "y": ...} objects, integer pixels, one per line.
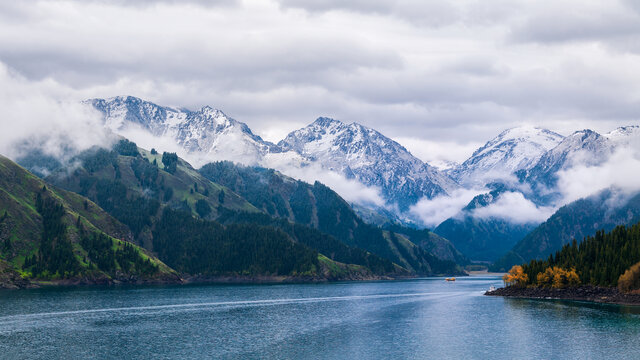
[{"x": 439, "y": 77}]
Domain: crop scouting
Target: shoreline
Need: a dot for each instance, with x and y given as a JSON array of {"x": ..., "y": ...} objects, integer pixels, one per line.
[
  {"x": 198, "y": 280},
  {"x": 588, "y": 293},
  {"x": 484, "y": 273}
]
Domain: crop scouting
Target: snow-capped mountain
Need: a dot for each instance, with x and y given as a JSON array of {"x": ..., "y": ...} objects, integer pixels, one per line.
[
  {"x": 205, "y": 135},
  {"x": 373, "y": 159},
  {"x": 582, "y": 148},
  {"x": 625, "y": 136},
  {"x": 513, "y": 150}
]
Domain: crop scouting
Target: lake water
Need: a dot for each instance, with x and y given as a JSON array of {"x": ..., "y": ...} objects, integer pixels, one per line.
[{"x": 414, "y": 319}]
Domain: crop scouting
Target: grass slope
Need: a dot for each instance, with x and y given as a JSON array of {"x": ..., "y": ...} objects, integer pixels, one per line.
[{"x": 22, "y": 228}]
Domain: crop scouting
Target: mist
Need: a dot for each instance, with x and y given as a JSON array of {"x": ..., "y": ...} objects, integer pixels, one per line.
[
  {"x": 621, "y": 172},
  {"x": 434, "y": 211},
  {"x": 44, "y": 115}
]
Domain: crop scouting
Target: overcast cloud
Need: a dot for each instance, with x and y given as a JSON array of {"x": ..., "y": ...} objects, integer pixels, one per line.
[{"x": 439, "y": 73}]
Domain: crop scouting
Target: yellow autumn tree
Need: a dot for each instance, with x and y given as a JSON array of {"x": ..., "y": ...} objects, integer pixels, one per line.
[
  {"x": 630, "y": 280},
  {"x": 516, "y": 276},
  {"x": 558, "y": 277}
]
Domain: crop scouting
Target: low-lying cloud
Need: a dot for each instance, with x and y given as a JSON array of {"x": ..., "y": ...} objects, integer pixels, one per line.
[
  {"x": 515, "y": 208},
  {"x": 434, "y": 211},
  {"x": 43, "y": 115},
  {"x": 620, "y": 171}
]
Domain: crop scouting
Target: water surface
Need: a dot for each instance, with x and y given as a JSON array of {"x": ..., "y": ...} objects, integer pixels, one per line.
[{"x": 414, "y": 319}]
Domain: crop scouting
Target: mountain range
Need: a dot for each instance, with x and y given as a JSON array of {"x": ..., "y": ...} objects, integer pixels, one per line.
[
  {"x": 238, "y": 212},
  {"x": 525, "y": 161}
]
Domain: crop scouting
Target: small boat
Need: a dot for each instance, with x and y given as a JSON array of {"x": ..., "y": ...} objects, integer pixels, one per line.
[
  {"x": 492, "y": 288},
  {"x": 450, "y": 279}
]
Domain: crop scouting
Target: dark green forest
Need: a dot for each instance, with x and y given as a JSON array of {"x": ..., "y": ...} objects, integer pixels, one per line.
[
  {"x": 319, "y": 207},
  {"x": 205, "y": 247},
  {"x": 55, "y": 253},
  {"x": 598, "y": 260},
  {"x": 55, "y": 257}
]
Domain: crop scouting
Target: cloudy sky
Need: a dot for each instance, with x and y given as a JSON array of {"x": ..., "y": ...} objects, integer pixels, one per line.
[{"x": 440, "y": 77}]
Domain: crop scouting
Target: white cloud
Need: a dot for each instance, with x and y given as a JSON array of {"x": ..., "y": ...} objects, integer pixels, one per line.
[
  {"x": 452, "y": 74},
  {"x": 351, "y": 190},
  {"x": 438, "y": 152},
  {"x": 45, "y": 115},
  {"x": 434, "y": 211},
  {"x": 513, "y": 207},
  {"x": 621, "y": 171}
]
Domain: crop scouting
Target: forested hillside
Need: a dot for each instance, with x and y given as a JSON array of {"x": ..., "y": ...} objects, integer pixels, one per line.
[
  {"x": 158, "y": 195},
  {"x": 51, "y": 234},
  {"x": 598, "y": 260},
  {"x": 320, "y": 207}
]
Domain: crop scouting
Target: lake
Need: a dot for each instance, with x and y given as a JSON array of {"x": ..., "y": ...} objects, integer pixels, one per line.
[{"x": 413, "y": 319}]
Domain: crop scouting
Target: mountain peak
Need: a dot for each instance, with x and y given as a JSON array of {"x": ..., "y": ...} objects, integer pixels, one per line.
[
  {"x": 208, "y": 110},
  {"x": 584, "y": 147},
  {"x": 373, "y": 159},
  {"x": 625, "y": 135},
  {"x": 514, "y": 149},
  {"x": 326, "y": 122},
  {"x": 208, "y": 133},
  {"x": 526, "y": 132}
]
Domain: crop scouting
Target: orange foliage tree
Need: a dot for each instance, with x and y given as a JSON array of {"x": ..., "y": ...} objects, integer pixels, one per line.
[
  {"x": 630, "y": 280},
  {"x": 516, "y": 276},
  {"x": 558, "y": 277}
]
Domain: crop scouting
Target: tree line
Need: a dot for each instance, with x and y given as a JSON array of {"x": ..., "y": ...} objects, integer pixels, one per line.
[{"x": 605, "y": 259}]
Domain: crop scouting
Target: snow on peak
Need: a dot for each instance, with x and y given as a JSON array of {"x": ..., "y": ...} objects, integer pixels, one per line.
[
  {"x": 625, "y": 135},
  {"x": 584, "y": 147},
  {"x": 512, "y": 150},
  {"x": 372, "y": 158},
  {"x": 206, "y": 135},
  {"x": 327, "y": 122}
]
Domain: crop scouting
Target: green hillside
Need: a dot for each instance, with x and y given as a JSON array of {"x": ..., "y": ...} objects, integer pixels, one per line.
[
  {"x": 149, "y": 192},
  {"x": 48, "y": 234}
]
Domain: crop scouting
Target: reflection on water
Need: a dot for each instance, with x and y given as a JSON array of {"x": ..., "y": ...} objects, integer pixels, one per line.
[{"x": 415, "y": 319}]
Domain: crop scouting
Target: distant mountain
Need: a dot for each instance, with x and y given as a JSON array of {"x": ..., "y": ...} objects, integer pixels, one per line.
[
  {"x": 581, "y": 218},
  {"x": 532, "y": 156},
  {"x": 513, "y": 150},
  {"x": 49, "y": 234},
  {"x": 625, "y": 136},
  {"x": 371, "y": 158},
  {"x": 352, "y": 150},
  {"x": 582, "y": 148}
]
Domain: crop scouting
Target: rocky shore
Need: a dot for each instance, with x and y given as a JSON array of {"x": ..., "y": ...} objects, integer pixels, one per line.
[{"x": 590, "y": 293}]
